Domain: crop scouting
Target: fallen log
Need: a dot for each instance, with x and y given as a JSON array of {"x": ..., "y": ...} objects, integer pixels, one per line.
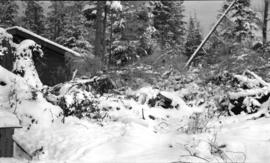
[
  {"x": 97, "y": 85},
  {"x": 247, "y": 82},
  {"x": 80, "y": 91},
  {"x": 257, "y": 92},
  {"x": 252, "y": 95},
  {"x": 258, "y": 78}
]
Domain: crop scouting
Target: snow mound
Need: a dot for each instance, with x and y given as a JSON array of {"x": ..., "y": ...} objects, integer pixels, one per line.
[
  {"x": 27, "y": 103},
  {"x": 82, "y": 141},
  {"x": 8, "y": 119}
]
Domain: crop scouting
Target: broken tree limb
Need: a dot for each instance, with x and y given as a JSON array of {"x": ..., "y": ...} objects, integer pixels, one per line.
[
  {"x": 253, "y": 96},
  {"x": 245, "y": 81},
  {"x": 249, "y": 92},
  {"x": 258, "y": 78},
  {"x": 209, "y": 34}
]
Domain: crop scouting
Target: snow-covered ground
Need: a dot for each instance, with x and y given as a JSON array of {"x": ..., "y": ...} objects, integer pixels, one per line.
[
  {"x": 127, "y": 137},
  {"x": 132, "y": 126}
]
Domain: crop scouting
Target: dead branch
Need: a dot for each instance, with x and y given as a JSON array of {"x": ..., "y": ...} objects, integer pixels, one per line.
[
  {"x": 250, "y": 92},
  {"x": 257, "y": 78}
]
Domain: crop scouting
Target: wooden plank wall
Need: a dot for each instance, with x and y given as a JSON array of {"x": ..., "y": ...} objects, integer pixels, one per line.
[{"x": 6, "y": 142}]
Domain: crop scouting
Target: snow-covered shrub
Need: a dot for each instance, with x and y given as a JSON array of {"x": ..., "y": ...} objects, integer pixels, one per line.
[
  {"x": 7, "y": 49},
  {"x": 24, "y": 64},
  {"x": 5, "y": 38},
  {"x": 122, "y": 53},
  {"x": 26, "y": 102},
  {"x": 147, "y": 42},
  {"x": 79, "y": 97},
  {"x": 20, "y": 91},
  {"x": 244, "y": 21},
  {"x": 79, "y": 103}
]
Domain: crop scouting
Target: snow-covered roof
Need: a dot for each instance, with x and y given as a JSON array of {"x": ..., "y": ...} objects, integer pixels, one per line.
[
  {"x": 46, "y": 41},
  {"x": 8, "y": 119}
]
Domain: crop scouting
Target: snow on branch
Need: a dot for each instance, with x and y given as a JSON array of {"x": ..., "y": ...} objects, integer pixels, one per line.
[
  {"x": 4, "y": 38},
  {"x": 253, "y": 96}
]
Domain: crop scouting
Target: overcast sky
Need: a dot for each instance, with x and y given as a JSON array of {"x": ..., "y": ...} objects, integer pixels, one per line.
[{"x": 207, "y": 11}]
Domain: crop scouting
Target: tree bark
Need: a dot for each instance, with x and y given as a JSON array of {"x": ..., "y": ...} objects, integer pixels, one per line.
[
  {"x": 99, "y": 30},
  {"x": 104, "y": 31},
  {"x": 265, "y": 20},
  {"x": 111, "y": 38}
]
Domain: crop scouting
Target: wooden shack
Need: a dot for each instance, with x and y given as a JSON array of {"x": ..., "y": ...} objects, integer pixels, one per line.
[
  {"x": 52, "y": 67},
  {"x": 8, "y": 122}
]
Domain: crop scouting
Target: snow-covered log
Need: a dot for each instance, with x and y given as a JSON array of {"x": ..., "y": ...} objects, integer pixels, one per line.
[
  {"x": 97, "y": 85},
  {"x": 257, "y": 92},
  {"x": 246, "y": 81},
  {"x": 77, "y": 97},
  {"x": 252, "y": 96}
]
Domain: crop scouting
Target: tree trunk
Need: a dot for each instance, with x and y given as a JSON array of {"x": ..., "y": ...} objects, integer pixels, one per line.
[
  {"x": 104, "y": 31},
  {"x": 99, "y": 30},
  {"x": 265, "y": 20},
  {"x": 111, "y": 39},
  {"x": 56, "y": 21}
]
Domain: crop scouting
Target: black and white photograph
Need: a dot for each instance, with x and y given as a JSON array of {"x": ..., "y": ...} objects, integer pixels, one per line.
[{"x": 183, "y": 81}]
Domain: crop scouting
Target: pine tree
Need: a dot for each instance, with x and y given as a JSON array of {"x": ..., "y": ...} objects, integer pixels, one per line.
[
  {"x": 242, "y": 22},
  {"x": 116, "y": 24},
  {"x": 105, "y": 18},
  {"x": 194, "y": 36},
  {"x": 34, "y": 18},
  {"x": 129, "y": 29},
  {"x": 8, "y": 13},
  {"x": 132, "y": 32},
  {"x": 55, "y": 19},
  {"x": 168, "y": 20},
  {"x": 96, "y": 13},
  {"x": 73, "y": 33}
]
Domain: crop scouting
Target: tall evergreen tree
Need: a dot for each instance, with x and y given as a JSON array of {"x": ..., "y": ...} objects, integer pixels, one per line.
[
  {"x": 194, "y": 36},
  {"x": 55, "y": 19},
  {"x": 8, "y": 13},
  {"x": 104, "y": 16},
  {"x": 242, "y": 23},
  {"x": 96, "y": 12},
  {"x": 73, "y": 33},
  {"x": 34, "y": 18},
  {"x": 126, "y": 29},
  {"x": 168, "y": 20}
]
